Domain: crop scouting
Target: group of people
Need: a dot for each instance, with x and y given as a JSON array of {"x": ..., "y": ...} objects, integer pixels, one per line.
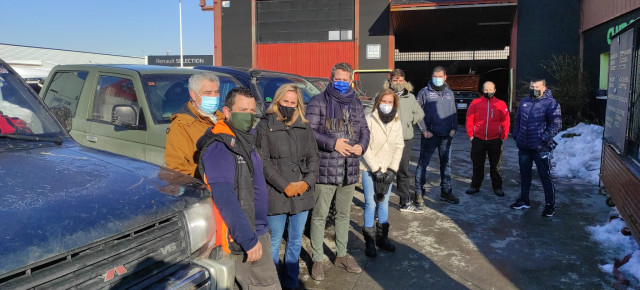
[{"x": 268, "y": 176}]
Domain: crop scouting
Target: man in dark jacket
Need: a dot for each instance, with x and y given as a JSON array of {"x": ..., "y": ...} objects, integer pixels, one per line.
[
  {"x": 233, "y": 171},
  {"x": 341, "y": 131},
  {"x": 439, "y": 125},
  {"x": 537, "y": 121}
]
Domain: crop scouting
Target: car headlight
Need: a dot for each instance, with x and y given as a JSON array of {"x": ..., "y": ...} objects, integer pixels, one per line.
[{"x": 201, "y": 223}]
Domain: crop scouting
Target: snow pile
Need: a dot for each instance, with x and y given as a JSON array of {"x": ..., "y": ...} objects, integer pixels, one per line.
[
  {"x": 578, "y": 156},
  {"x": 617, "y": 246}
]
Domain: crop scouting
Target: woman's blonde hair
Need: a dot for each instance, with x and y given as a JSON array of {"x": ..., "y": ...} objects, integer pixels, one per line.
[{"x": 299, "y": 113}]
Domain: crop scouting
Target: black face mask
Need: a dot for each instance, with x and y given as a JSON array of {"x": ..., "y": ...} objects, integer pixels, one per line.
[
  {"x": 534, "y": 93},
  {"x": 286, "y": 112},
  {"x": 489, "y": 95}
]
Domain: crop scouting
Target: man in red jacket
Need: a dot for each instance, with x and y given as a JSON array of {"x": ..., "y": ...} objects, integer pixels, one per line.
[{"x": 487, "y": 127}]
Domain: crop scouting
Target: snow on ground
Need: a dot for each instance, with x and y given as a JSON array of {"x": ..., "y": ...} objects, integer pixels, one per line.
[
  {"x": 578, "y": 156},
  {"x": 617, "y": 246}
]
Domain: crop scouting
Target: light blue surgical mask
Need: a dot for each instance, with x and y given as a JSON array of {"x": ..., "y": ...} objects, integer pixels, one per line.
[
  {"x": 209, "y": 104},
  {"x": 438, "y": 82},
  {"x": 341, "y": 86}
]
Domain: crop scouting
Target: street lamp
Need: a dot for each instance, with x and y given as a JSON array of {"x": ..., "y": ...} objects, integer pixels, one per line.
[{"x": 180, "y": 8}]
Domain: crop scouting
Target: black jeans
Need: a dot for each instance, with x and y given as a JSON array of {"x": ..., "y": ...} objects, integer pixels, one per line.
[
  {"x": 403, "y": 179},
  {"x": 479, "y": 150}
]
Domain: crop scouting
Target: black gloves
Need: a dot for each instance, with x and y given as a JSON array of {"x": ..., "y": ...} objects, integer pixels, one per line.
[
  {"x": 378, "y": 175},
  {"x": 389, "y": 176}
]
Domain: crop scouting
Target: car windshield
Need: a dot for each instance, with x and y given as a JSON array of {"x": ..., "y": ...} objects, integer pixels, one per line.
[
  {"x": 166, "y": 94},
  {"x": 22, "y": 113},
  {"x": 268, "y": 84}
]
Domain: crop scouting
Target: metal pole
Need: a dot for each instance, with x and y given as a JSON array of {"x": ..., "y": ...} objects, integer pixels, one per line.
[{"x": 181, "y": 58}]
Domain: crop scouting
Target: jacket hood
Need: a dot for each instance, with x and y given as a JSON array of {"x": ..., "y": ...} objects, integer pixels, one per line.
[
  {"x": 57, "y": 199},
  {"x": 407, "y": 86}
]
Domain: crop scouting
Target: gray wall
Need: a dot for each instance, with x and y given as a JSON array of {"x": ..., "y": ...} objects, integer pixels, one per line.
[
  {"x": 236, "y": 34},
  {"x": 374, "y": 29}
]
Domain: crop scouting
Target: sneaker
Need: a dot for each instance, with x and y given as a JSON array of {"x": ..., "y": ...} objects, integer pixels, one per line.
[
  {"x": 548, "y": 210},
  {"x": 317, "y": 273},
  {"x": 520, "y": 204},
  {"x": 348, "y": 263},
  {"x": 498, "y": 192},
  {"x": 472, "y": 190},
  {"x": 409, "y": 207},
  {"x": 447, "y": 195}
]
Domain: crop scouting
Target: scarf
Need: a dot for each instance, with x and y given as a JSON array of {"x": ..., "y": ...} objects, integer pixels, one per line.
[
  {"x": 386, "y": 118},
  {"x": 338, "y": 108},
  {"x": 440, "y": 88}
]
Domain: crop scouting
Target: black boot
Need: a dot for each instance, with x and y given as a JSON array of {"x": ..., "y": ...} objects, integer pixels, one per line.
[
  {"x": 447, "y": 195},
  {"x": 381, "y": 238},
  {"x": 369, "y": 234}
]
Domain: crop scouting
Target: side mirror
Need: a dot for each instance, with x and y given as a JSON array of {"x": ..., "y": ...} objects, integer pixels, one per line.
[
  {"x": 125, "y": 116},
  {"x": 63, "y": 115}
]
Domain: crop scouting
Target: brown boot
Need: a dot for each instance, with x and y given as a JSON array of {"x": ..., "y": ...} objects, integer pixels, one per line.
[
  {"x": 317, "y": 273},
  {"x": 348, "y": 263}
]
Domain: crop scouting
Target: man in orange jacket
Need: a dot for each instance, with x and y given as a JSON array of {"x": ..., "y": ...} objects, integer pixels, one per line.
[
  {"x": 487, "y": 127},
  {"x": 191, "y": 122}
]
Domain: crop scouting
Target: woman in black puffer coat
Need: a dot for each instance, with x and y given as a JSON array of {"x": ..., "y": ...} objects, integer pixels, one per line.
[{"x": 289, "y": 154}]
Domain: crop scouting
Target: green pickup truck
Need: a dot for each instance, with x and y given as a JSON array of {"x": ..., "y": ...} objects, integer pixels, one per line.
[{"x": 124, "y": 109}]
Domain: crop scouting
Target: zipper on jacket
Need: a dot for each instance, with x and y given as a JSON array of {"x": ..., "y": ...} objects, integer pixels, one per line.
[{"x": 486, "y": 129}]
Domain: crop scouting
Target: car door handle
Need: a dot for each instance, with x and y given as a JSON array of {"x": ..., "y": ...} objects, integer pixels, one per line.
[{"x": 92, "y": 139}]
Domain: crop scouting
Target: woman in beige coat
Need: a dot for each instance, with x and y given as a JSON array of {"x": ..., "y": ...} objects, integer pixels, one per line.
[{"x": 380, "y": 162}]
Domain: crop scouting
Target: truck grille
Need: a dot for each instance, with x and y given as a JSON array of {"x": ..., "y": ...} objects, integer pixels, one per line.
[{"x": 132, "y": 259}]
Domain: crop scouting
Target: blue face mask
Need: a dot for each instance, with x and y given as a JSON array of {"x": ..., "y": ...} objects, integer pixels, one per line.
[
  {"x": 341, "y": 86},
  {"x": 438, "y": 82},
  {"x": 209, "y": 104}
]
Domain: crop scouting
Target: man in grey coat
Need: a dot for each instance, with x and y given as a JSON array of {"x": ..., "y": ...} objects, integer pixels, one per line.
[
  {"x": 438, "y": 127},
  {"x": 410, "y": 114}
]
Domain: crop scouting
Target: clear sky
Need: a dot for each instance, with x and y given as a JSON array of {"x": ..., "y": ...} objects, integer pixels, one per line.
[{"x": 120, "y": 27}]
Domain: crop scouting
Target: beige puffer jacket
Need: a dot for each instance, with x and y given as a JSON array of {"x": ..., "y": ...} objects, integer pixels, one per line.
[{"x": 385, "y": 144}]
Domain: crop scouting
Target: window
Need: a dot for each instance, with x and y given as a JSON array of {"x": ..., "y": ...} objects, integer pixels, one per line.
[
  {"x": 604, "y": 71},
  {"x": 65, "y": 89},
  {"x": 113, "y": 91},
  {"x": 166, "y": 94},
  {"x": 269, "y": 84}
]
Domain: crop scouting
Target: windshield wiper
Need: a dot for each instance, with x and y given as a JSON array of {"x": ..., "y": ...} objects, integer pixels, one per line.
[{"x": 56, "y": 140}]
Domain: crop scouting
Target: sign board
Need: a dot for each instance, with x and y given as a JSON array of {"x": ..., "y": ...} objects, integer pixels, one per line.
[
  {"x": 619, "y": 89},
  {"x": 174, "y": 60}
]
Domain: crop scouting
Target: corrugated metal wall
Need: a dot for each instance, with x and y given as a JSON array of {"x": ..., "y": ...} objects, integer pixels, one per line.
[
  {"x": 595, "y": 12},
  {"x": 306, "y": 59},
  {"x": 622, "y": 185}
]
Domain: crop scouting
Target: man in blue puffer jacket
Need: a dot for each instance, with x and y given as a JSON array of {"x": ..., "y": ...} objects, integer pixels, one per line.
[
  {"x": 439, "y": 125},
  {"x": 537, "y": 121}
]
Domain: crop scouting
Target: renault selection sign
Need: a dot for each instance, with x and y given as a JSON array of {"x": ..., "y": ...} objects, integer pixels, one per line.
[{"x": 174, "y": 60}]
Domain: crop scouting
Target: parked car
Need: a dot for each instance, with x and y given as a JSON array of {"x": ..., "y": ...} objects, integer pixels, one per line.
[
  {"x": 264, "y": 83},
  {"x": 320, "y": 83},
  {"x": 463, "y": 99},
  {"x": 81, "y": 218},
  {"x": 125, "y": 109}
]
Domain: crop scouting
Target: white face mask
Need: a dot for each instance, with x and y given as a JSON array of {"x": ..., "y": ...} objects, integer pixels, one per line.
[{"x": 385, "y": 108}]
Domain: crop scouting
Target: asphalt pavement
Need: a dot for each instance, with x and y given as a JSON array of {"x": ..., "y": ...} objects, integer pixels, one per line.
[{"x": 479, "y": 243}]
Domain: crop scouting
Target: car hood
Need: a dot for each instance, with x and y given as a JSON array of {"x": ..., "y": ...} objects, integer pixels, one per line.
[{"x": 57, "y": 199}]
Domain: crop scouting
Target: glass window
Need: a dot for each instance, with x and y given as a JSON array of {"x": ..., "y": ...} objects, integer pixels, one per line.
[
  {"x": 166, "y": 94},
  {"x": 64, "y": 90},
  {"x": 112, "y": 91},
  {"x": 269, "y": 84},
  {"x": 20, "y": 104}
]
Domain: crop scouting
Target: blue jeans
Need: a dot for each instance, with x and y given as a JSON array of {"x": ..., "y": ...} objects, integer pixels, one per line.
[
  {"x": 291, "y": 268},
  {"x": 370, "y": 203},
  {"x": 543, "y": 164},
  {"x": 427, "y": 147}
]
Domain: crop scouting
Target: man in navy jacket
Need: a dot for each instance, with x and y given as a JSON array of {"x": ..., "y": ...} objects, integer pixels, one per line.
[
  {"x": 439, "y": 125},
  {"x": 537, "y": 121}
]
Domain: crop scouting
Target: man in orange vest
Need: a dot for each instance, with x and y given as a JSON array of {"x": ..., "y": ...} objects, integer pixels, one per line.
[{"x": 232, "y": 169}]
